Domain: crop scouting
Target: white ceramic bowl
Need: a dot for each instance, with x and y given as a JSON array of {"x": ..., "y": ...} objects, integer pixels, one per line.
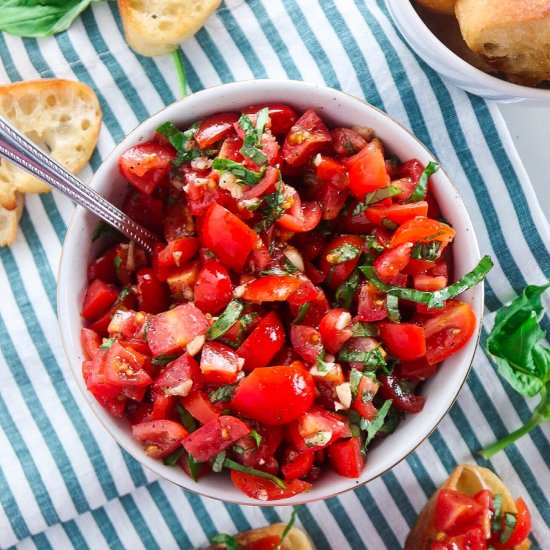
[
  {"x": 338, "y": 109},
  {"x": 451, "y": 66}
]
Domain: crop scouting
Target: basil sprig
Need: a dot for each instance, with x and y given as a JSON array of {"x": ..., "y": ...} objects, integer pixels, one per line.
[
  {"x": 422, "y": 186},
  {"x": 372, "y": 427},
  {"x": 435, "y": 299},
  {"x": 182, "y": 142},
  {"x": 226, "y": 320},
  {"x": 253, "y": 136},
  {"x": 247, "y": 176}
]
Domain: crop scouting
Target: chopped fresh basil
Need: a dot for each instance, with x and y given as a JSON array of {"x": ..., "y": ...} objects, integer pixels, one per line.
[
  {"x": 355, "y": 379},
  {"x": 228, "y": 540},
  {"x": 392, "y": 420},
  {"x": 373, "y": 243},
  {"x": 182, "y": 142},
  {"x": 389, "y": 224},
  {"x": 422, "y": 186},
  {"x": 371, "y": 360},
  {"x": 426, "y": 251},
  {"x": 217, "y": 463},
  {"x": 186, "y": 420},
  {"x": 392, "y": 307},
  {"x": 257, "y": 437},
  {"x": 496, "y": 524},
  {"x": 194, "y": 467},
  {"x": 172, "y": 459},
  {"x": 322, "y": 365},
  {"x": 288, "y": 526},
  {"x": 223, "y": 393},
  {"x": 365, "y": 329},
  {"x": 432, "y": 299},
  {"x": 253, "y": 136},
  {"x": 343, "y": 253},
  {"x": 272, "y": 209},
  {"x": 124, "y": 293},
  {"x": 510, "y": 521},
  {"x": 372, "y": 427},
  {"x": 232, "y": 465},
  {"x": 374, "y": 197},
  {"x": 107, "y": 343},
  {"x": 277, "y": 271},
  {"x": 163, "y": 360},
  {"x": 238, "y": 169},
  {"x": 226, "y": 320},
  {"x": 346, "y": 291},
  {"x": 302, "y": 312},
  {"x": 118, "y": 262}
]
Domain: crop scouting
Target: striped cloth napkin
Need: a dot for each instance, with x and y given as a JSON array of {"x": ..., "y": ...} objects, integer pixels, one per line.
[{"x": 63, "y": 481}]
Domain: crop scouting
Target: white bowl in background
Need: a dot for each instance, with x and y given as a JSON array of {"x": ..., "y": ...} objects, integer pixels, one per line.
[
  {"x": 451, "y": 66},
  {"x": 338, "y": 109}
]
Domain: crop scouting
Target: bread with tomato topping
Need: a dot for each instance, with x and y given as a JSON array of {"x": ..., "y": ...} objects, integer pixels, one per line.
[
  {"x": 467, "y": 479},
  {"x": 156, "y": 27},
  {"x": 512, "y": 36}
]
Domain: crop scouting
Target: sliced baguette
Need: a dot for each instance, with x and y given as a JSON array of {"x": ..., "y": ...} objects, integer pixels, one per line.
[
  {"x": 468, "y": 479},
  {"x": 513, "y": 36},
  {"x": 156, "y": 27},
  {"x": 440, "y": 6},
  {"x": 60, "y": 116},
  {"x": 9, "y": 220}
]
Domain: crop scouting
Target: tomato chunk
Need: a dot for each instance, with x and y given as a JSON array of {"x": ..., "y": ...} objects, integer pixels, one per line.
[
  {"x": 422, "y": 230},
  {"x": 282, "y": 116},
  {"x": 346, "y": 458},
  {"x": 265, "y": 489},
  {"x": 220, "y": 364},
  {"x": 335, "y": 329},
  {"x": 159, "y": 437},
  {"x": 215, "y": 128},
  {"x": 200, "y": 407},
  {"x": 271, "y": 288},
  {"x": 98, "y": 298},
  {"x": 179, "y": 377},
  {"x": 403, "y": 340},
  {"x": 367, "y": 171}
]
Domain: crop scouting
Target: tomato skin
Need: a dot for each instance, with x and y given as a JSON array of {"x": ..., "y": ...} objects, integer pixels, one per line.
[
  {"x": 170, "y": 331},
  {"x": 405, "y": 341},
  {"x": 176, "y": 253},
  {"x": 336, "y": 274},
  {"x": 448, "y": 331},
  {"x": 160, "y": 437},
  {"x": 332, "y": 188},
  {"x": 179, "y": 377},
  {"x": 271, "y": 288},
  {"x": 145, "y": 210},
  {"x": 367, "y": 171},
  {"x": 228, "y": 237},
  {"x": 152, "y": 294},
  {"x": 146, "y": 165},
  {"x": 90, "y": 342},
  {"x": 265, "y": 186},
  {"x": 214, "y": 437},
  {"x": 213, "y": 289},
  {"x": 124, "y": 367},
  {"x": 396, "y": 213},
  {"x": 335, "y": 329},
  {"x": 472, "y": 539},
  {"x": 282, "y": 116},
  {"x": 390, "y": 263},
  {"x": 417, "y": 370},
  {"x": 219, "y": 364},
  {"x": 296, "y": 464},
  {"x": 421, "y": 230},
  {"x": 455, "y": 510},
  {"x": 301, "y": 217},
  {"x": 102, "y": 324},
  {"x": 263, "y": 343},
  {"x": 346, "y": 458},
  {"x": 429, "y": 283},
  {"x": 104, "y": 267},
  {"x": 521, "y": 531},
  {"x": 347, "y": 142},
  {"x": 200, "y": 407},
  {"x": 367, "y": 388},
  {"x": 266, "y": 543},
  {"x": 408, "y": 402},
  {"x": 98, "y": 298},
  {"x": 306, "y": 342},
  {"x": 305, "y": 138},
  {"x": 265, "y": 489},
  {"x": 372, "y": 304},
  {"x": 178, "y": 222},
  {"x": 275, "y": 395},
  {"x": 215, "y": 128}
]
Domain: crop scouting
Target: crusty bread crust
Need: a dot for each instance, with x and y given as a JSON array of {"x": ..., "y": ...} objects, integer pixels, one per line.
[
  {"x": 468, "y": 479},
  {"x": 61, "y": 116},
  {"x": 9, "y": 220},
  {"x": 513, "y": 36},
  {"x": 156, "y": 27},
  {"x": 440, "y": 6}
]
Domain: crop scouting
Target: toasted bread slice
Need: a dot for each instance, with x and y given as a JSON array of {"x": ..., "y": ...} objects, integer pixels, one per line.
[
  {"x": 440, "y": 6},
  {"x": 295, "y": 539},
  {"x": 9, "y": 219},
  {"x": 468, "y": 479},
  {"x": 156, "y": 27},
  {"x": 513, "y": 36},
  {"x": 60, "y": 116}
]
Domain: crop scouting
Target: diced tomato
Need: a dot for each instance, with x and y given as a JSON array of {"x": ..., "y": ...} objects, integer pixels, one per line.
[
  {"x": 214, "y": 129},
  {"x": 372, "y": 304},
  {"x": 128, "y": 258},
  {"x": 265, "y": 186},
  {"x": 228, "y": 237},
  {"x": 472, "y": 539},
  {"x": 391, "y": 262},
  {"x": 454, "y": 510},
  {"x": 315, "y": 310},
  {"x": 124, "y": 367},
  {"x": 306, "y": 342},
  {"x": 145, "y": 210},
  {"x": 429, "y": 283},
  {"x": 104, "y": 267},
  {"x": 159, "y": 437},
  {"x": 275, "y": 395},
  {"x": 396, "y": 213},
  {"x": 176, "y": 253},
  {"x": 124, "y": 301},
  {"x": 333, "y": 263},
  {"x": 360, "y": 343},
  {"x": 307, "y": 137},
  {"x": 181, "y": 281},
  {"x": 99, "y": 297},
  {"x": 332, "y": 187},
  {"x": 271, "y": 288},
  {"x": 152, "y": 294},
  {"x": 417, "y": 370},
  {"x": 301, "y": 217},
  {"x": 214, "y": 437},
  {"x": 272, "y": 542},
  {"x": 346, "y": 458},
  {"x": 417, "y": 267},
  {"x": 219, "y": 364},
  {"x": 282, "y": 117},
  {"x": 93, "y": 373},
  {"x": 367, "y": 171},
  {"x": 261, "y": 456},
  {"x": 170, "y": 331},
  {"x": 90, "y": 342},
  {"x": 200, "y": 407},
  {"x": 179, "y": 377},
  {"x": 347, "y": 142},
  {"x": 402, "y": 400},
  {"x": 296, "y": 464},
  {"x": 128, "y": 324},
  {"x": 335, "y": 329},
  {"x": 263, "y": 343},
  {"x": 146, "y": 165},
  {"x": 448, "y": 331},
  {"x": 405, "y": 341},
  {"x": 213, "y": 289},
  {"x": 366, "y": 390},
  {"x": 422, "y": 230},
  {"x": 521, "y": 530},
  {"x": 265, "y": 489},
  {"x": 178, "y": 222}
]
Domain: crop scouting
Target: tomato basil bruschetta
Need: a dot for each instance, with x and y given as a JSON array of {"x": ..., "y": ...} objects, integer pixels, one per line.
[
  {"x": 473, "y": 510},
  {"x": 296, "y": 298}
]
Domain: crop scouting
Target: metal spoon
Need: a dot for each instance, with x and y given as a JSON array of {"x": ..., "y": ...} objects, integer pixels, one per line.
[{"x": 18, "y": 149}]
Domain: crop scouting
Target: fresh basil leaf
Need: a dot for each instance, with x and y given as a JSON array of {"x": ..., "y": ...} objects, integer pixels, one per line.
[
  {"x": 426, "y": 251},
  {"x": 226, "y": 320},
  {"x": 346, "y": 291},
  {"x": 257, "y": 437},
  {"x": 389, "y": 224},
  {"x": 289, "y": 525},
  {"x": 372, "y": 427},
  {"x": 496, "y": 524},
  {"x": 163, "y": 360},
  {"x": 107, "y": 343},
  {"x": 372, "y": 243},
  {"x": 374, "y": 197},
  {"x": 186, "y": 420},
  {"x": 273, "y": 208},
  {"x": 362, "y": 328},
  {"x": 438, "y": 298},
  {"x": 182, "y": 142},
  {"x": 422, "y": 186},
  {"x": 302, "y": 312},
  {"x": 172, "y": 459},
  {"x": 343, "y": 253},
  {"x": 392, "y": 307},
  {"x": 232, "y": 465},
  {"x": 253, "y": 136},
  {"x": 510, "y": 521},
  {"x": 371, "y": 359},
  {"x": 223, "y": 393},
  {"x": 223, "y": 538},
  {"x": 322, "y": 365},
  {"x": 194, "y": 467},
  {"x": 33, "y": 18},
  {"x": 238, "y": 169},
  {"x": 217, "y": 463}
]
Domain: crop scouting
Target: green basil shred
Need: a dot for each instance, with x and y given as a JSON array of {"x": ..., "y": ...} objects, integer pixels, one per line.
[
  {"x": 302, "y": 312},
  {"x": 172, "y": 459},
  {"x": 163, "y": 360},
  {"x": 186, "y": 420},
  {"x": 182, "y": 142},
  {"x": 343, "y": 253},
  {"x": 392, "y": 307},
  {"x": 253, "y": 135},
  {"x": 372, "y": 427},
  {"x": 226, "y": 320},
  {"x": 194, "y": 467},
  {"x": 223, "y": 538},
  {"x": 362, "y": 328},
  {"x": 217, "y": 463},
  {"x": 422, "y": 186},
  {"x": 374, "y": 197},
  {"x": 238, "y": 169},
  {"x": 510, "y": 521},
  {"x": 346, "y": 291},
  {"x": 223, "y": 393},
  {"x": 232, "y": 465}
]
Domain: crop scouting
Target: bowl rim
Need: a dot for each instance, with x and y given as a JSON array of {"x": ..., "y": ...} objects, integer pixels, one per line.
[
  {"x": 157, "y": 467},
  {"x": 406, "y": 17}
]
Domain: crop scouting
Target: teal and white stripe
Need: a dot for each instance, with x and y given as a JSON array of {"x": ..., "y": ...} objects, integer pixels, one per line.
[{"x": 63, "y": 481}]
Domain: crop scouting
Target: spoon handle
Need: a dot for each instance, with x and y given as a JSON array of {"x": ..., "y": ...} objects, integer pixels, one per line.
[{"x": 19, "y": 150}]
